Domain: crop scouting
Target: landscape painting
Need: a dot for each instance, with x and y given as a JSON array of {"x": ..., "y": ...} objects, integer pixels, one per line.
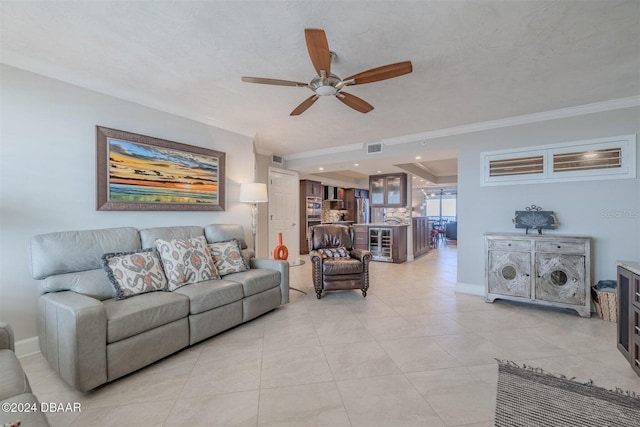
[{"x": 137, "y": 172}]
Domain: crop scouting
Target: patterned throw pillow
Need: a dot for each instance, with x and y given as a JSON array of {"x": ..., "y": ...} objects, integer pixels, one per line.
[
  {"x": 227, "y": 257},
  {"x": 134, "y": 273},
  {"x": 186, "y": 261},
  {"x": 340, "y": 252}
]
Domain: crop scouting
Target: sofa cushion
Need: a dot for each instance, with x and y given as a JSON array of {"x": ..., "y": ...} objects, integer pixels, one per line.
[
  {"x": 12, "y": 378},
  {"x": 132, "y": 316},
  {"x": 148, "y": 236},
  {"x": 227, "y": 257},
  {"x": 256, "y": 280},
  {"x": 224, "y": 232},
  {"x": 186, "y": 261},
  {"x": 92, "y": 283},
  {"x": 69, "y": 251},
  {"x": 332, "y": 267},
  {"x": 211, "y": 294},
  {"x": 134, "y": 273}
]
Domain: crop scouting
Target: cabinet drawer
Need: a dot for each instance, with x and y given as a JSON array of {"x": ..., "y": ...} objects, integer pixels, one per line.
[
  {"x": 635, "y": 355},
  {"x": 561, "y": 247},
  {"x": 510, "y": 245},
  {"x": 635, "y": 323}
]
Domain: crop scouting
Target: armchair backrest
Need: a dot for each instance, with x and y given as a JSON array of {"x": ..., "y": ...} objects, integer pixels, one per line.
[{"x": 330, "y": 236}]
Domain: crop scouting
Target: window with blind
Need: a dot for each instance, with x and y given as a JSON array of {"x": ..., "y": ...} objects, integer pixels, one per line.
[{"x": 604, "y": 158}]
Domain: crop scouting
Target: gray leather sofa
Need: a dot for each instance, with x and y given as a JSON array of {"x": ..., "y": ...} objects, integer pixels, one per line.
[
  {"x": 89, "y": 338},
  {"x": 14, "y": 387}
]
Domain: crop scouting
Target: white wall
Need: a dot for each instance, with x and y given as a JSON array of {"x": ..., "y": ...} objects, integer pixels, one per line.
[
  {"x": 581, "y": 207},
  {"x": 48, "y": 169}
]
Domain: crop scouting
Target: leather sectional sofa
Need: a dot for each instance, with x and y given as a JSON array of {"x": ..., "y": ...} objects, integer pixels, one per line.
[
  {"x": 16, "y": 399},
  {"x": 89, "y": 338}
]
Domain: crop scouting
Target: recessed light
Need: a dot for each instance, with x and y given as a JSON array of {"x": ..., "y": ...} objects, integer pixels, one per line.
[
  {"x": 422, "y": 180},
  {"x": 356, "y": 164},
  {"x": 379, "y": 172},
  {"x": 418, "y": 157},
  {"x": 321, "y": 169},
  {"x": 414, "y": 177}
]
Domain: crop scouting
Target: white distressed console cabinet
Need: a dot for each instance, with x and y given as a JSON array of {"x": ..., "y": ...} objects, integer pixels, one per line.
[{"x": 543, "y": 269}]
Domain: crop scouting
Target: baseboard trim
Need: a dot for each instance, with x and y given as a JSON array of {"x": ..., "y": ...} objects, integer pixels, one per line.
[
  {"x": 27, "y": 347},
  {"x": 470, "y": 288}
]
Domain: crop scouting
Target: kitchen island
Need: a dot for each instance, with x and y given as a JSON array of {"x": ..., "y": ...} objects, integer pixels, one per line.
[{"x": 387, "y": 242}]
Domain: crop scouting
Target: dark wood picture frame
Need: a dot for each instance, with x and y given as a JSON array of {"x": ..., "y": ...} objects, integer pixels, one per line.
[{"x": 141, "y": 173}]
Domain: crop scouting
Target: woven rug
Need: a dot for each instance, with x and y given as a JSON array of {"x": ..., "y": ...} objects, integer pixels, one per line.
[{"x": 531, "y": 397}]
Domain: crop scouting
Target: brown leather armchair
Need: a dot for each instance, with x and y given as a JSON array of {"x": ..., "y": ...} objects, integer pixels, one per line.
[{"x": 340, "y": 272}]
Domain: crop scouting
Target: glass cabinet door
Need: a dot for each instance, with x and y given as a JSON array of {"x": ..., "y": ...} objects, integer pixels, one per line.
[
  {"x": 393, "y": 190},
  {"x": 377, "y": 191}
]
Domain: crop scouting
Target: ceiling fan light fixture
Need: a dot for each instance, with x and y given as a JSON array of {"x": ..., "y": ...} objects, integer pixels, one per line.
[
  {"x": 328, "y": 84},
  {"x": 326, "y": 90}
]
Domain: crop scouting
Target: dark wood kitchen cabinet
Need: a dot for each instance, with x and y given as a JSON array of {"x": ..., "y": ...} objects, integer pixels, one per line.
[
  {"x": 388, "y": 191},
  {"x": 312, "y": 188}
]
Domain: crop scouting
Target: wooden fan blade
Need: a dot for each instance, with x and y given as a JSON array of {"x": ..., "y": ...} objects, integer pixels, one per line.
[
  {"x": 305, "y": 104},
  {"x": 273, "y": 82},
  {"x": 382, "y": 73},
  {"x": 354, "y": 102},
  {"x": 318, "y": 48}
]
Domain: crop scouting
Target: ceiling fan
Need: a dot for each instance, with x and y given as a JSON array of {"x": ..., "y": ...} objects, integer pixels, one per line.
[{"x": 328, "y": 84}]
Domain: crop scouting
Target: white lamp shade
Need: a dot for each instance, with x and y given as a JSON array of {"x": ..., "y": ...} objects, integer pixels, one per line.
[{"x": 253, "y": 192}]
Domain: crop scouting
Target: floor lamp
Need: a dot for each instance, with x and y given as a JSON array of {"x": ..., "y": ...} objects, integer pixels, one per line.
[{"x": 254, "y": 192}]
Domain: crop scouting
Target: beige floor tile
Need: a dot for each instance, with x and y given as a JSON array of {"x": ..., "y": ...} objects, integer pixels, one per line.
[
  {"x": 521, "y": 344},
  {"x": 418, "y": 354},
  {"x": 457, "y": 395},
  {"x": 341, "y": 331},
  {"x": 359, "y": 360},
  {"x": 299, "y": 333},
  {"x": 305, "y": 405},
  {"x": 472, "y": 349},
  {"x": 437, "y": 324},
  {"x": 386, "y": 401},
  {"x": 488, "y": 373},
  {"x": 437, "y": 381},
  {"x": 386, "y": 328},
  {"x": 294, "y": 366},
  {"x": 225, "y": 369},
  {"x": 371, "y": 307},
  {"x": 138, "y": 414},
  {"x": 231, "y": 409}
]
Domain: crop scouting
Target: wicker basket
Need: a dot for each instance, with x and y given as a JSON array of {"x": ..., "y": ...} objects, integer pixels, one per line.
[{"x": 607, "y": 305}]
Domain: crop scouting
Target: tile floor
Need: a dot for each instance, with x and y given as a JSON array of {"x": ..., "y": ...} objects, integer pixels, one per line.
[{"x": 413, "y": 353}]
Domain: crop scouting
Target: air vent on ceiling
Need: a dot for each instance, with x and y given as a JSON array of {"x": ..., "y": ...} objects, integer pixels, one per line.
[
  {"x": 374, "y": 148},
  {"x": 277, "y": 159}
]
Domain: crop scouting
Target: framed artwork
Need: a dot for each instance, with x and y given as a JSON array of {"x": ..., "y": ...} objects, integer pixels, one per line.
[{"x": 142, "y": 173}]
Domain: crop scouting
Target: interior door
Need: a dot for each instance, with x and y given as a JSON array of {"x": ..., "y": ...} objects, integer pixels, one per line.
[{"x": 283, "y": 211}]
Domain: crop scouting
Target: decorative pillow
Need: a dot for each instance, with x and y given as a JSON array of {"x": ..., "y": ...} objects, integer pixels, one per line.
[
  {"x": 134, "y": 273},
  {"x": 227, "y": 257},
  {"x": 186, "y": 261},
  {"x": 340, "y": 252}
]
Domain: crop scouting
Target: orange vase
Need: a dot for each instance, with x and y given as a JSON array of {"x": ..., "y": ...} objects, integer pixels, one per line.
[{"x": 280, "y": 251}]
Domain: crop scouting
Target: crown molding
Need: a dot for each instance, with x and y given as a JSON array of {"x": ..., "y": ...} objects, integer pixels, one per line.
[
  {"x": 325, "y": 151},
  {"x": 597, "y": 107}
]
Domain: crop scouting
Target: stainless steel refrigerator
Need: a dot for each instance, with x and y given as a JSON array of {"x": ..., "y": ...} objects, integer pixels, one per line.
[{"x": 362, "y": 211}]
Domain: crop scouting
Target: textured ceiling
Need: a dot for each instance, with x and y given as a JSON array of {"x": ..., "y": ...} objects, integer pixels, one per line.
[{"x": 473, "y": 61}]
